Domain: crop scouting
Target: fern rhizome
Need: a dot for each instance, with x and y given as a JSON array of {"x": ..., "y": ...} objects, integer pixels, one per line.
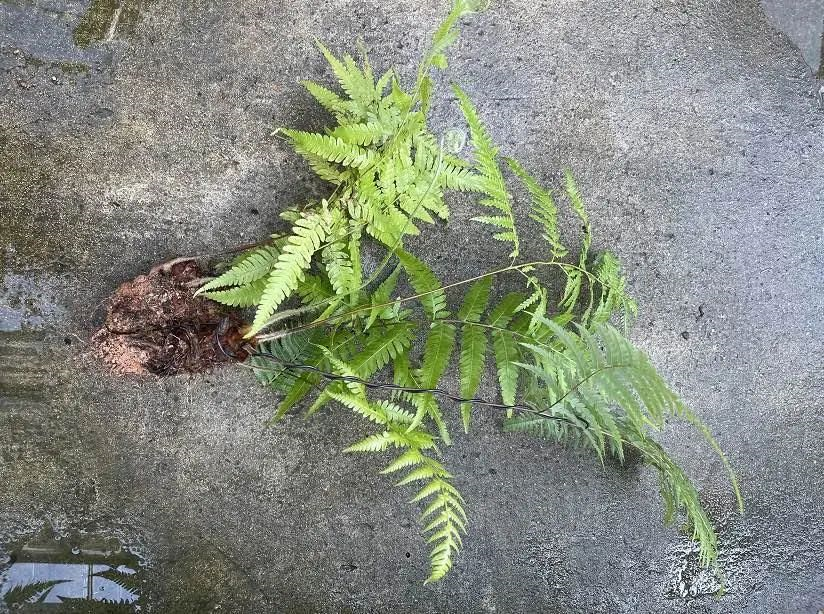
[{"x": 324, "y": 323}]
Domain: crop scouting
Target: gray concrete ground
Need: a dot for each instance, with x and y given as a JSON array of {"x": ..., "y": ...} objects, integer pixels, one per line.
[{"x": 134, "y": 134}]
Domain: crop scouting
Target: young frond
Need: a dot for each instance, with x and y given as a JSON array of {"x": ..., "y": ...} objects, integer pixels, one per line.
[
  {"x": 239, "y": 296},
  {"x": 544, "y": 210},
  {"x": 337, "y": 259},
  {"x": 308, "y": 234},
  {"x": 357, "y": 85},
  {"x": 425, "y": 283},
  {"x": 330, "y": 101},
  {"x": 331, "y": 149},
  {"x": 382, "y": 344},
  {"x": 252, "y": 266},
  {"x": 367, "y": 133},
  {"x": 491, "y": 180},
  {"x": 436, "y": 354}
]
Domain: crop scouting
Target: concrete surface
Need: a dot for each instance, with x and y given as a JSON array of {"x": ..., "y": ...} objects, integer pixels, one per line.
[
  {"x": 803, "y": 22},
  {"x": 698, "y": 138}
]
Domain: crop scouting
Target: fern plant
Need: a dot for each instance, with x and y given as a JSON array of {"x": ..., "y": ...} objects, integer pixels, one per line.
[{"x": 325, "y": 331}]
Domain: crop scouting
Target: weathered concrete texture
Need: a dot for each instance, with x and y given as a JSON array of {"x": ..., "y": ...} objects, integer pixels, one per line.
[
  {"x": 698, "y": 141},
  {"x": 803, "y": 22}
]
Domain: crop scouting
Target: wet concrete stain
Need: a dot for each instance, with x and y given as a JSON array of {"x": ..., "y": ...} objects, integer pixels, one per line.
[{"x": 89, "y": 570}]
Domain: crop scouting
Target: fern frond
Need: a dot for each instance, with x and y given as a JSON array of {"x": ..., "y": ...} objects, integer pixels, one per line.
[
  {"x": 383, "y": 344},
  {"x": 613, "y": 294},
  {"x": 381, "y": 296},
  {"x": 353, "y": 81},
  {"x": 239, "y": 296},
  {"x": 473, "y": 344},
  {"x": 383, "y": 222},
  {"x": 442, "y": 39},
  {"x": 491, "y": 180},
  {"x": 328, "y": 171},
  {"x": 507, "y": 355},
  {"x": 410, "y": 458},
  {"x": 363, "y": 134},
  {"x": 425, "y": 404},
  {"x": 331, "y": 149},
  {"x": 361, "y": 406},
  {"x": 425, "y": 282},
  {"x": 544, "y": 210},
  {"x": 575, "y": 277},
  {"x": 308, "y": 234},
  {"x": 600, "y": 377},
  {"x": 330, "y": 101},
  {"x": 251, "y": 266},
  {"x": 314, "y": 289},
  {"x": 679, "y": 495},
  {"x": 437, "y": 351},
  {"x": 337, "y": 259},
  {"x": 504, "y": 346}
]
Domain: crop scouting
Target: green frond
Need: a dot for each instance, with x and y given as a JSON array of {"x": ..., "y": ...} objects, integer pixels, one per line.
[
  {"x": 352, "y": 80},
  {"x": 598, "y": 376},
  {"x": 373, "y": 443},
  {"x": 381, "y": 296},
  {"x": 343, "y": 368},
  {"x": 361, "y": 406},
  {"x": 437, "y": 351},
  {"x": 475, "y": 300},
  {"x": 382, "y": 344},
  {"x": 425, "y": 282},
  {"x": 679, "y": 495},
  {"x": 507, "y": 354},
  {"x": 425, "y": 404},
  {"x": 326, "y": 170},
  {"x": 502, "y": 314},
  {"x": 308, "y": 234},
  {"x": 337, "y": 259},
  {"x": 613, "y": 296},
  {"x": 385, "y": 223},
  {"x": 252, "y": 266},
  {"x": 544, "y": 210},
  {"x": 314, "y": 289},
  {"x": 472, "y": 359},
  {"x": 471, "y": 365},
  {"x": 491, "y": 180},
  {"x": 331, "y": 149},
  {"x": 330, "y": 101},
  {"x": 410, "y": 458},
  {"x": 239, "y": 296},
  {"x": 505, "y": 348},
  {"x": 290, "y": 349},
  {"x": 443, "y": 38},
  {"x": 367, "y": 133}
]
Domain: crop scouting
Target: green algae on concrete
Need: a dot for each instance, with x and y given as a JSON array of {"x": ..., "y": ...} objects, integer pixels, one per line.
[{"x": 106, "y": 17}]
